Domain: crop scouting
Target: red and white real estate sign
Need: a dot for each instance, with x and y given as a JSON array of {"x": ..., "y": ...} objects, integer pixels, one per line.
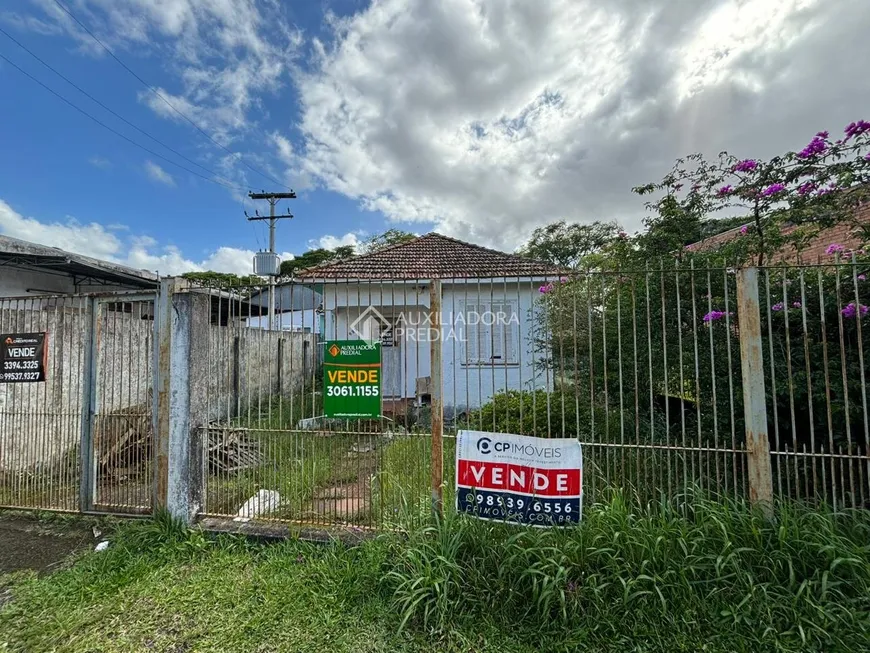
[{"x": 519, "y": 479}]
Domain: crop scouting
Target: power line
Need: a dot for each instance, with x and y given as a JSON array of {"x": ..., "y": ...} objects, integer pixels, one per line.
[
  {"x": 159, "y": 95},
  {"x": 114, "y": 131},
  {"x": 114, "y": 113}
]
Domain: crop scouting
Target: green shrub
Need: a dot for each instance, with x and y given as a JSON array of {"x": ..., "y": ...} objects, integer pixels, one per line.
[{"x": 693, "y": 571}]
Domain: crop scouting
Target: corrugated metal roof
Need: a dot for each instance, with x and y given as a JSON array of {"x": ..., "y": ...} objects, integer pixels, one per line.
[{"x": 23, "y": 253}]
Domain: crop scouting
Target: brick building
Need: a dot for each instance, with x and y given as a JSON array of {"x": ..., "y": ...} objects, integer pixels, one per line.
[{"x": 841, "y": 234}]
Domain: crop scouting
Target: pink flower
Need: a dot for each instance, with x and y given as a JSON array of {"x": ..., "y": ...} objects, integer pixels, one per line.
[
  {"x": 833, "y": 248},
  {"x": 856, "y": 129},
  {"x": 773, "y": 189},
  {"x": 806, "y": 188},
  {"x": 746, "y": 165},
  {"x": 796, "y": 304},
  {"x": 851, "y": 310},
  {"x": 712, "y": 316},
  {"x": 727, "y": 189},
  {"x": 777, "y": 307},
  {"x": 744, "y": 229},
  {"x": 862, "y": 277},
  {"x": 816, "y": 146}
]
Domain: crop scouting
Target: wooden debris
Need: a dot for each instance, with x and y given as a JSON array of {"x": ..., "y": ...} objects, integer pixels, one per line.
[
  {"x": 123, "y": 443},
  {"x": 232, "y": 450}
]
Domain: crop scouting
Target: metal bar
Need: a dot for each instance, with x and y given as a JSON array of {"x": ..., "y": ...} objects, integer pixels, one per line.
[
  {"x": 845, "y": 382},
  {"x": 89, "y": 407},
  {"x": 825, "y": 362},
  {"x": 866, "y": 420},
  {"x": 436, "y": 389},
  {"x": 754, "y": 404}
]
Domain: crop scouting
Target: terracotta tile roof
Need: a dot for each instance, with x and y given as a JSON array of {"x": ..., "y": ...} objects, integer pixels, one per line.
[
  {"x": 841, "y": 234},
  {"x": 432, "y": 256}
]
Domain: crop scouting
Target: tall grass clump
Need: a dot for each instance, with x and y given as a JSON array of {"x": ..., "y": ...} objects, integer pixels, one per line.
[{"x": 686, "y": 571}]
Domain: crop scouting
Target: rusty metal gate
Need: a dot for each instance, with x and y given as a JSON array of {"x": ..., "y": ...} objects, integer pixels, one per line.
[{"x": 81, "y": 439}]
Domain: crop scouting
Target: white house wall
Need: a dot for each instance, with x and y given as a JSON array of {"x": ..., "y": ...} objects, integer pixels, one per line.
[
  {"x": 307, "y": 320},
  {"x": 472, "y": 385},
  {"x": 465, "y": 385}
]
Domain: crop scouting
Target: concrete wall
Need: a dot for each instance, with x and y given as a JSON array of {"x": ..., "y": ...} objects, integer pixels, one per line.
[
  {"x": 232, "y": 368},
  {"x": 40, "y": 422},
  {"x": 244, "y": 366}
]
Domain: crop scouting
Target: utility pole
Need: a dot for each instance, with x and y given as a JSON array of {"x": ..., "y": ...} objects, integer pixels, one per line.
[{"x": 273, "y": 199}]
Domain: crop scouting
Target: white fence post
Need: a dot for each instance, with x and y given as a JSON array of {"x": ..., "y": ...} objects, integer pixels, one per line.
[
  {"x": 754, "y": 400},
  {"x": 175, "y": 475}
]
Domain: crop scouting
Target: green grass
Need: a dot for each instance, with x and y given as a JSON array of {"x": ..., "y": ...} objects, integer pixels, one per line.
[
  {"x": 295, "y": 463},
  {"x": 684, "y": 576},
  {"x": 402, "y": 497}
]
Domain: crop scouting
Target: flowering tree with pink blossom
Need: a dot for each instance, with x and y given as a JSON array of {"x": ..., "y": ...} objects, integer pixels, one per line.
[{"x": 816, "y": 187}]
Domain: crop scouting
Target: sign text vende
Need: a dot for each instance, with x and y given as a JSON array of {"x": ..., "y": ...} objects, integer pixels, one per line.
[{"x": 519, "y": 479}]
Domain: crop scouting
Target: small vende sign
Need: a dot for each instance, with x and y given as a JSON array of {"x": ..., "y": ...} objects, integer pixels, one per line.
[
  {"x": 22, "y": 357},
  {"x": 519, "y": 479},
  {"x": 352, "y": 379}
]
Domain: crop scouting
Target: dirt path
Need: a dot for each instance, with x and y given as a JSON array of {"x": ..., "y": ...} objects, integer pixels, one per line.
[
  {"x": 345, "y": 502},
  {"x": 29, "y": 543}
]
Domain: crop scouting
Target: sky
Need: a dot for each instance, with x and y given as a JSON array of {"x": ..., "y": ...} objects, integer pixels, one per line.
[{"x": 480, "y": 119}]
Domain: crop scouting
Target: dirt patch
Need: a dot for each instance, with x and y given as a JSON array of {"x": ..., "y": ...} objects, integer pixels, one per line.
[
  {"x": 342, "y": 502},
  {"x": 346, "y": 501},
  {"x": 29, "y": 543}
]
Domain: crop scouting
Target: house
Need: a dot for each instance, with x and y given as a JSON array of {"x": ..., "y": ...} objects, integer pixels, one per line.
[
  {"x": 815, "y": 251},
  {"x": 32, "y": 269},
  {"x": 488, "y": 310},
  {"x": 297, "y": 307}
]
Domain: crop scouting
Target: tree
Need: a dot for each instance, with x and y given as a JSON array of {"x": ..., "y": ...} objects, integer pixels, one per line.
[
  {"x": 568, "y": 244},
  {"x": 321, "y": 255},
  {"x": 815, "y": 188},
  {"x": 386, "y": 239},
  {"x": 314, "y": 257}
]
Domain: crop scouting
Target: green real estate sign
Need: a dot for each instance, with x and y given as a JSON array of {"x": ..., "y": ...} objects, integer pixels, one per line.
[{"x": 352, "y": 379}]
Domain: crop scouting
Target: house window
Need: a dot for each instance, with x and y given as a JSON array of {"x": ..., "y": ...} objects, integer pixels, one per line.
[{"x": 491, "y": 333}]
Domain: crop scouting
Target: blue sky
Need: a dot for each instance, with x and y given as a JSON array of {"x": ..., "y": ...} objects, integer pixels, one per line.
[
  {"x": 67, "y": 168},
  {"x": 479, "y": 118}
]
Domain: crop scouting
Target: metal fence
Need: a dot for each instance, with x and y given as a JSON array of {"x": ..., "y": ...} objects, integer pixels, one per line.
[
  {"x": 643, "y": 366},
  {"x": 664, "y": 374},
  {"x": 816, "y": 381},
  {"x": 81, "y": 439},
  {"x": 40, "y": 423}
]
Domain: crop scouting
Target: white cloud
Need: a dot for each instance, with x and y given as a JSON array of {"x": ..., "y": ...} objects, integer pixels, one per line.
[
  {"x": 142, "y": 252},
  {"x": 90, "y": 239},
  {"x": 489, "y": 118},
  {"x": 100, "y": 162},
  {"x": 331, "y": 242},
  {"x": 224, "y": 53},
  {"x": 29, "y": 23},
  {"x": 158, "y": 174}
]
